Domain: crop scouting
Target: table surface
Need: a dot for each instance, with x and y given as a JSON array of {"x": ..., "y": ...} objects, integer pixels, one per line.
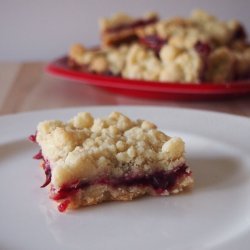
[{"x": 26, "y": 87}]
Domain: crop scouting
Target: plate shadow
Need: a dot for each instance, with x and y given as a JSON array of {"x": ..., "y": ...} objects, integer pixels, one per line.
[
  {"x": 217, "y": 172},
  {"x": 8, "y": 150}
]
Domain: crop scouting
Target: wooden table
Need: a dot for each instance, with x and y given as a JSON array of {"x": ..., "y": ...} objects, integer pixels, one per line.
[{"x": 25, "y": 87}]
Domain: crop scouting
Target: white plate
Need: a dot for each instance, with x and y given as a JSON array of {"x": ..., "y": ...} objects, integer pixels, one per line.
[{"x": 215, "y": 215}]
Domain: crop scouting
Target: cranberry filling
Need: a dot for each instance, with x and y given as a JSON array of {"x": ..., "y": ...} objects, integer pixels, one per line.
[
  {"x": 204, "y": 49},
  {"x": 38, "y": 156},
  {"x": 45, "y": 166},
  {"x": 47, "y": 170},
  {"x": 159, "y": 180},
  {"x": 136, "y": 24},
  {"x": 63, "y": 205},
  {"x": 153, "y": 42},
  {"x": 68, "y": 190},
  {"x": 32, "y": 138},
  {"x": 240, "y": 33}
]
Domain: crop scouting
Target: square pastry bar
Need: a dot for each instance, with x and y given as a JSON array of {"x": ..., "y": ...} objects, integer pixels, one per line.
[
  {"x": 199, "y": 49},
  {"x": 88, "y": 161}
]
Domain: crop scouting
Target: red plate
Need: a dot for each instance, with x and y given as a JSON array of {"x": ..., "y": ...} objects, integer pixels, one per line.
[{"x": 150, "y": 89}]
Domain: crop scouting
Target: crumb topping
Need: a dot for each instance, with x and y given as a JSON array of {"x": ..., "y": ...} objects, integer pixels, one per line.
[{"x": 86, "y": 147}]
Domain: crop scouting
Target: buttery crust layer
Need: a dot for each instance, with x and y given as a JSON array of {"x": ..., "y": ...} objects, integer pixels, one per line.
[{"x": 99, "y": 193}]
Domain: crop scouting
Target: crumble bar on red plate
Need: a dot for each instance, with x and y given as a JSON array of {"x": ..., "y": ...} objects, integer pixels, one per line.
[
  {"x": 122, "y": 28},
  {"x": 88, "y": 161},
  {"x": 197, "y": 49}
]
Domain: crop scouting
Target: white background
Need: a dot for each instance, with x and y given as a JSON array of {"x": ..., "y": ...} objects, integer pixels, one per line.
[{"x": 44, "y": 29}]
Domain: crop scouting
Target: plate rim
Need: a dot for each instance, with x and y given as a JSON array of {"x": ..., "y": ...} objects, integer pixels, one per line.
[{"x": 58, "y": 67}]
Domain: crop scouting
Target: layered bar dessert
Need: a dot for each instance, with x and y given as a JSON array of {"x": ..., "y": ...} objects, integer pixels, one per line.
[
  {"x": 122, "y": 28},
  {"x": 88, "y": 161},
  {"x": 197, "y": 49}
]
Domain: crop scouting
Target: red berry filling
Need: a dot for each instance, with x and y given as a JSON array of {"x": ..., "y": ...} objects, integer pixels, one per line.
[
  {"x": 38, "y": 156},
  {"x": 47, "y": 170},
  {"x": 32, "y": 138},
  {"x": 68, "y": 190},
  {"x": 239, "y": 33},
  {"x": 63, "y": 205},
  {"x": 45, "y": 166},
  {"x": 153, "y": 42},
  {"x": 136, "y": 24},
  {"x": 160, "y": 181},
  {"x": 203, "y": 49}
]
